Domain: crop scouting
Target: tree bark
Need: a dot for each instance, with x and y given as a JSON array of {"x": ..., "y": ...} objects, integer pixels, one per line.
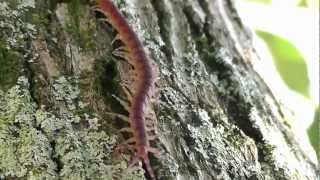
[{"x": 216, "y": 119}]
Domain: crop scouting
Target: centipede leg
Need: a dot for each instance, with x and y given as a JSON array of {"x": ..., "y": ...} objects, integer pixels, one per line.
[
  {"x": 122, "y": 53},
  {"x": 122, "y": 49},
  {"x": 150, "y": 128},
  {"x": 127, "y": 92},
  {"x": 126, "y": 130},
  {"x": 120, "y": 116},
  {"x": 151, "y": 119},
  {"x": 126, "y": 145},
  {"x": 104, "y": 20},
  {"x": 130, "y": 140},
  {"x": 116, "y": 38},
  {"x": 149, "y": 123},
  {"x": 123, "y": 103},
  {"x": 155, "y": 151},
  {"x": 97, "y": 9},
  {"x": 133, "y": 161},
  {"x": 122, "y": 147},
  {"x": 152, "y": 137}
]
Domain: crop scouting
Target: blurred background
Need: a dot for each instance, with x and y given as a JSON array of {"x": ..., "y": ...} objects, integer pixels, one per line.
[{"x": 286, "y": 35}]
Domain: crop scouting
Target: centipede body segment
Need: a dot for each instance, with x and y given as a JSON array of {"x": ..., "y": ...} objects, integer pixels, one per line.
[{"x": 143, "y": 85}]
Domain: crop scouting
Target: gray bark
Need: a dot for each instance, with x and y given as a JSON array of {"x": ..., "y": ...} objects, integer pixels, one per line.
[{"x": 216, "y": 117}]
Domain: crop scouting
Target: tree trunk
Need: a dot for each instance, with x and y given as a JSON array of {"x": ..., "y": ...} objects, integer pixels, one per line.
[{"x": 216, "y": 119}]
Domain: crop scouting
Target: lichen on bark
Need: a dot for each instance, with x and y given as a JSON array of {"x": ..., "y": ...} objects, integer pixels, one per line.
[
  {"x": 48, "y": 130},
  {"x": 216, "y": 118}
]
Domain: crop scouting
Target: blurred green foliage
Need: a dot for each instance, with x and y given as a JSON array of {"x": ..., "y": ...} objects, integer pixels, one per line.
[
  {"x": 309, "y": 3},
  {"x": 299, "y": 3},
  {"x": 303, "y": 3},
  {"x": 293, "y": 70},
  {"x": 314, "y": 132},
  {"x": 289, "y": 62},
  {"x": 260, "y": 1}
]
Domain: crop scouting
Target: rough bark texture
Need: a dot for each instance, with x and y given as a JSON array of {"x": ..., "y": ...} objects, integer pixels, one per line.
[{"x": 216, "y": 117}]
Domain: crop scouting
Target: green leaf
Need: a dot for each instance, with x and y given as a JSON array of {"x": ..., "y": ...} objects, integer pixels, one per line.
[
  {"x": 314, "y": 133},
  {"x": 289, "y": 62}
]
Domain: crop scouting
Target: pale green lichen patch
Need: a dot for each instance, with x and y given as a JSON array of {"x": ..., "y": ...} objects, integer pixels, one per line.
[
  {"x": 27, "y": 3},
  {"x": 63, "y": 139},
  {"x": 64, "y": 91},
  {"x": 34, "y": 153},
  {"x": 82, "y": 153},
  {"x": 37, "y": 143},
  {"x": 21, "y": 4},
  {"x": 49, "y": 124},
  {"x": 24, "y": 150},
  {"x": 85, "y": 153},
  {"x": 13, "y": 36},
  {"x": 14, "y": 100}
]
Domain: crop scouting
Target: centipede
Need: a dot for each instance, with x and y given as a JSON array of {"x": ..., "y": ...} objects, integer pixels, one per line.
[{"x": 141, "y": 123}]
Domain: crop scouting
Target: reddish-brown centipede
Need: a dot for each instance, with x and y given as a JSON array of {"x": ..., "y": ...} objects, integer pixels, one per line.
[{"x": 143, "y": 86}]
